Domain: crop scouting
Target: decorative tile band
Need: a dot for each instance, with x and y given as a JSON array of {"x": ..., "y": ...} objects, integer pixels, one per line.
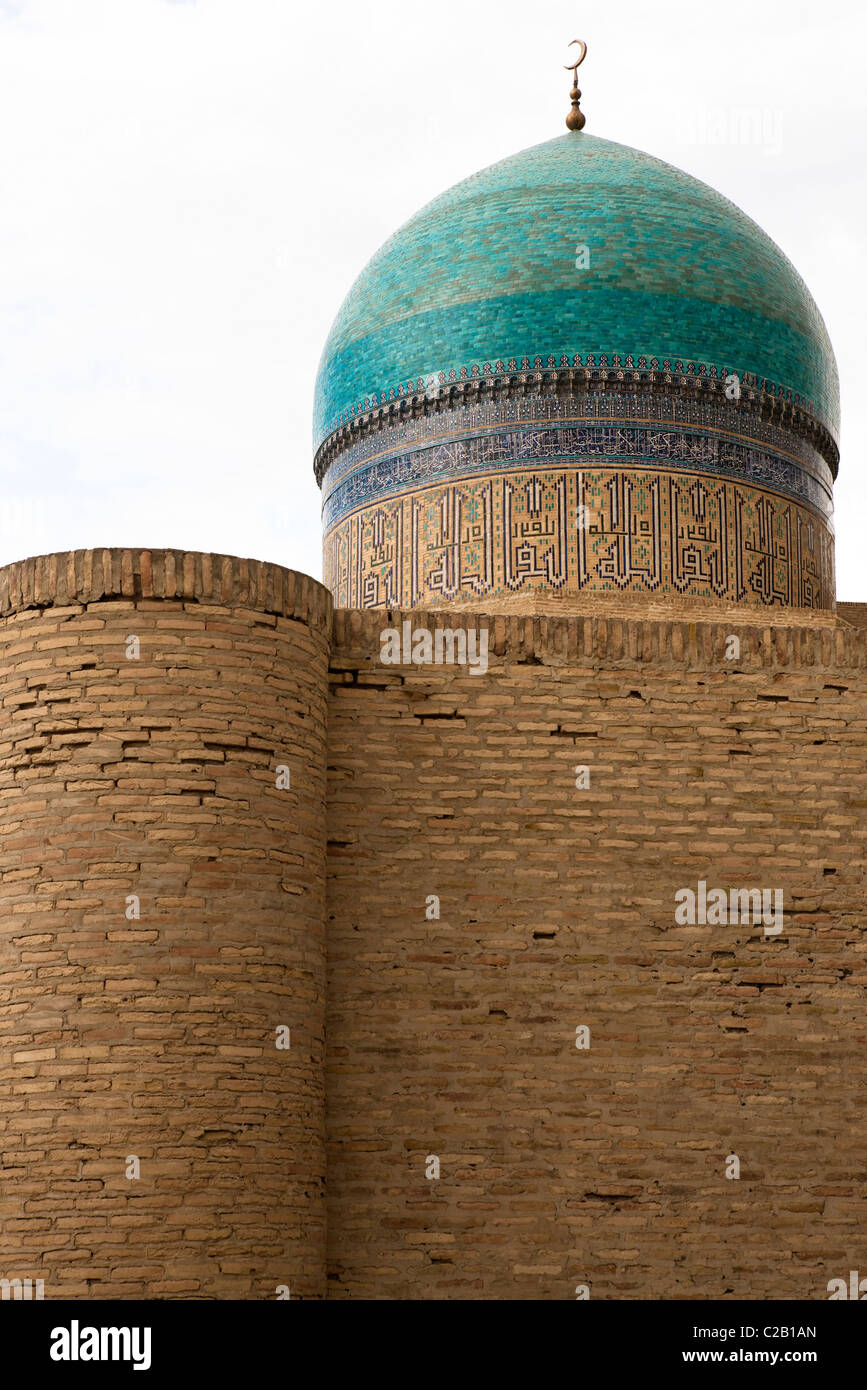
[
  {"x": 666, "y": 450},
  {"x": 614, "y": 404},
  {"x": 575, "y": 376},
  {"x": 597, "y": 529}
]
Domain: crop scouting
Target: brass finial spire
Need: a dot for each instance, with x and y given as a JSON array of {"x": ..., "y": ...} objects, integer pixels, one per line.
[{"x": 576, "y": 118}]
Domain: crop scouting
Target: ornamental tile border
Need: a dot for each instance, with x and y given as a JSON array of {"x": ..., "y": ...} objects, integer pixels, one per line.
[{"x": 576, "y": 375}]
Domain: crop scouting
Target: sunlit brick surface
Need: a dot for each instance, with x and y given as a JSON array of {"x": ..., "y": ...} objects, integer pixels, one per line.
[
  {"x": 456, "y": 1037},
  {"x": 156, "y": 1037},
  {"x": 450, "y": 1037}
]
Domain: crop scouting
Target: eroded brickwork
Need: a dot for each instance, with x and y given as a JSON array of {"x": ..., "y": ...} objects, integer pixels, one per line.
[
  {"x": 155, "y": 1036},
  {"x": 456, "y": 1037},
  {"x": 854, "y": 614}
]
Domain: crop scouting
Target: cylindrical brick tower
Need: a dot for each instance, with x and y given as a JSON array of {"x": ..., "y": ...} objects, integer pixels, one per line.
[{"x": 162, "y": 761}]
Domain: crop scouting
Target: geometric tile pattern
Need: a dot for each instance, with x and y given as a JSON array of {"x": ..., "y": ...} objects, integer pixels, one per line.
[
  {"x": 574, "y": 529},
  {"x": 628, "y": 443}
]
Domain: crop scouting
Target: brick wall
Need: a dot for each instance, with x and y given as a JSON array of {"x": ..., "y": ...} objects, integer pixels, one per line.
[
  {"x": 449, "y": 1037},
  {"x": 853, "y": 613},
  {"x": 456, "y": 1037},
  {"x": 156, "y": 1037}
]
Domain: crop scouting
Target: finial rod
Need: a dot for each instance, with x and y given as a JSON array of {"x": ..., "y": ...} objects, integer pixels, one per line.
[{"x": 576, "y": 118}]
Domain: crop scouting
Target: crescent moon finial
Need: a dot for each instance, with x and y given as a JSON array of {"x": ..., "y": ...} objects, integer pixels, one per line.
[
  {"x": 576, "y": 118},
  {"x": 570, "y": 67}
]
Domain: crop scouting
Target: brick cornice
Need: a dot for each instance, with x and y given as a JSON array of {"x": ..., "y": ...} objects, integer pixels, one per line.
[
  {"x": 613, "y": 641},
  {"x": 91, "y": 576}
]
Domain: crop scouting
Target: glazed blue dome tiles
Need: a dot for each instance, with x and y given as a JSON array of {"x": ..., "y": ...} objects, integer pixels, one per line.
[{"x": 486, "y": 273}]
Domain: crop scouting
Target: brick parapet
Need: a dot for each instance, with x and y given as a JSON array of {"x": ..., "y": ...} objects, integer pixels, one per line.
[
  {"x": 617, "y": 641},
  {"x": 95, "y": 576}
]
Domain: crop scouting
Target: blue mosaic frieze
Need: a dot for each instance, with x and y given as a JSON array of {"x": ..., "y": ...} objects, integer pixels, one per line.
[
  {"x": 604, "y": 404},
  {"x": 668, "y": 450}
]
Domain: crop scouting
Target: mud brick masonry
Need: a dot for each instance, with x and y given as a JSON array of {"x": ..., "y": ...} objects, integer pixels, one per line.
[
  {"x": 263, "y": 906},
  {"x": 227, "y": 825}
]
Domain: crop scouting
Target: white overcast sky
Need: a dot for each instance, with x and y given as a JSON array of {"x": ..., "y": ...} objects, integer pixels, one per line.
[{"x": 189, "y": 187}]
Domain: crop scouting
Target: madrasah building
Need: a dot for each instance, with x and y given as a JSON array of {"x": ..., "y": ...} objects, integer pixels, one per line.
[{"x": 486, "y": 922}]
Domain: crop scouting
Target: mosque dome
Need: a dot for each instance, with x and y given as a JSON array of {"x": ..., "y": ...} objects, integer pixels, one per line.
[
  {"x": 577, "y": 340},
  {"x": 487, "y": 271}
]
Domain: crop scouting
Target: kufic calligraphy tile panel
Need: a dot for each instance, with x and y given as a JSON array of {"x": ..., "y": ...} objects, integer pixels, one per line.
[{"x": 576, "y": 530}]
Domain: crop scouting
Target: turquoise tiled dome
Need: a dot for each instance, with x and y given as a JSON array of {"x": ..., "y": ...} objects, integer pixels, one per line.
[{"x": 486, "y": 273}]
